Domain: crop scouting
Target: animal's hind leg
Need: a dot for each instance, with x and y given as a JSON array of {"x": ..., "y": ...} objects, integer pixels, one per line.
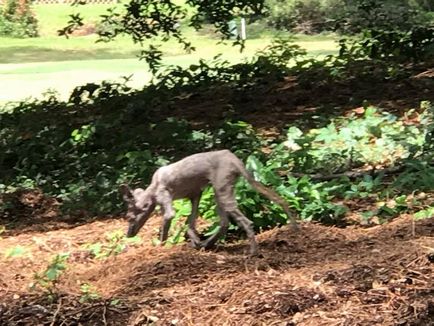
[
  {"x": 223, "y": 183},
  {"x": 226, "y": 202},
  {"x": 224, "y": 225},
  {"x": 225, "y": 196},
  {"x": 247, "y": 226}
]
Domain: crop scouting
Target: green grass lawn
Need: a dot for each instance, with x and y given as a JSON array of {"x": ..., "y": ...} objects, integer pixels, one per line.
[
  {"x": 29, "y": 66},
  {"x": 52, "y": 17},
  {"x": 50, "y": 47}
]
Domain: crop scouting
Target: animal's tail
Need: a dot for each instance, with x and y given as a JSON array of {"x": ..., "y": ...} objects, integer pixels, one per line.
[{"x": 267, "y": 192}]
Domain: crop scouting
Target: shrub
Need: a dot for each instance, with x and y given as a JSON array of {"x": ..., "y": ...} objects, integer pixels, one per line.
[
  {"x": 354, "y": 16},
  {"x": 391, "y": 46},
  {"x": 297, "y": 15},
  {"x": 345, "y": 16},
  {"x": 17, "y": 20}
]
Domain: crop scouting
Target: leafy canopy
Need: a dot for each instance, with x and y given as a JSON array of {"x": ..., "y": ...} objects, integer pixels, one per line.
[{"x": 160, "y": 19}]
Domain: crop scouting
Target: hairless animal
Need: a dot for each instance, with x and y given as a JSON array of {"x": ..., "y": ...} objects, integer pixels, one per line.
[{"x": 187, "y": 178}]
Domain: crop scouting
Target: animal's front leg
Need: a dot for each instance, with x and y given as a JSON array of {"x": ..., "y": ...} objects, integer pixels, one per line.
[
  {"x": 168, "y": 215},
  {"x": 192, "y": 232}
]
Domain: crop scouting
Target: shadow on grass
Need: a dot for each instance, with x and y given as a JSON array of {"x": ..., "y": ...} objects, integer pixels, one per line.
[{"x": 20, "y": 54}]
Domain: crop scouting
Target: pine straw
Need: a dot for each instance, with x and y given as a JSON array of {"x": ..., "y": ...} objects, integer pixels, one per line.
[{"x": 319, "y": 276}]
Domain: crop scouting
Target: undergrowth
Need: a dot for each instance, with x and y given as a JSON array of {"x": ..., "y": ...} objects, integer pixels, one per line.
[{"x": 79, "y": 151}]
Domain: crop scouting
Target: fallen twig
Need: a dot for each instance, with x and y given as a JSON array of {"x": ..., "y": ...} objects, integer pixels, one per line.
[
  {"x": 56, "y": 312},
  {"x": 349, "y": 174},
  {"x": 104, "y": 315}
]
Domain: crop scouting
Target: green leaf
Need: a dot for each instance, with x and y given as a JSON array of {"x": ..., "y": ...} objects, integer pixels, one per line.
[
  {"x": 16, "y": 251},
  {"x": 370, "y": 111},
  {"x": 254, "y": 163},
  {"x": 52, "y": 273},
  {"x": 134, "y": 240},
  {"x": 425, "y": 213}
]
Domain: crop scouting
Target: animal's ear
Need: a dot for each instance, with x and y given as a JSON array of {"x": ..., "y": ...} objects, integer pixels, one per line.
[{"x": 126, "y": 193}]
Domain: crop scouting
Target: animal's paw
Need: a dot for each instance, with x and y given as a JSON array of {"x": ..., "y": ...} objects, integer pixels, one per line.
[
  {"x": 254, "y": 251},
  {"x": 195, "y": 244},
  {"x": 256, "y": 254},
  {"x": 207, "y": 245}
]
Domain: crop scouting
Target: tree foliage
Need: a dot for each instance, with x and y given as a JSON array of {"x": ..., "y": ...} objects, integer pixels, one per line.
[
  {"x": 400, "y": 28},
  {"x": 162, "y": 19}
]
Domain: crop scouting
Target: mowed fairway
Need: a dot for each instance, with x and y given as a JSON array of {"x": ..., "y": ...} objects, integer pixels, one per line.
[{"x": 30, "y": 67}]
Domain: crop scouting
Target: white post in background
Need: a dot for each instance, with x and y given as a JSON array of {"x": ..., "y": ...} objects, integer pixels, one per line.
[
  {"x": 243, "y": 29},
  {"x": 232, "y": 25}
]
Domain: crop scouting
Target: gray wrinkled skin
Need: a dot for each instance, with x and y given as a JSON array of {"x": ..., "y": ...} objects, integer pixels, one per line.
[{"x": 186, "y": 179}]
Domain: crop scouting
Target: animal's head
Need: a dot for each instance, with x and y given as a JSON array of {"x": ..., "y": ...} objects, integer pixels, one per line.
[{"x": 141, "y": 204}]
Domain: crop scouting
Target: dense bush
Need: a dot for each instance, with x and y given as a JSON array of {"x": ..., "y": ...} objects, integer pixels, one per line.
[
  {"x": 355, "y": 16},
  {"x": 390, "y": 46},
  {"x": 79, "y": 152},
  {"x": 17, "y": 20},
  {"x": 298, "y": 15},
  {"x": 417, "y": 43},
  {"x": 345, "y": 16},
  {"x": 427, "y": 5}
]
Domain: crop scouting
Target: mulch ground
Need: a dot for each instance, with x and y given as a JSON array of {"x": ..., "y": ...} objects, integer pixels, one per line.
[
  {"x": 317, "y": 276},
  {"x": 270, "y": 106}
]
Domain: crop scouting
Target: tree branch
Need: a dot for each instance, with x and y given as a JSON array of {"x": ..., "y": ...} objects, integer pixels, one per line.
[{"x": 349, "y": 174}]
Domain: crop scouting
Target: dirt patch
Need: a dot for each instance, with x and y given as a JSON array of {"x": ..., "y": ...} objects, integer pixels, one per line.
[
  {"x": 318, "y": 276},
  {"x": 84, "y": 30}
]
